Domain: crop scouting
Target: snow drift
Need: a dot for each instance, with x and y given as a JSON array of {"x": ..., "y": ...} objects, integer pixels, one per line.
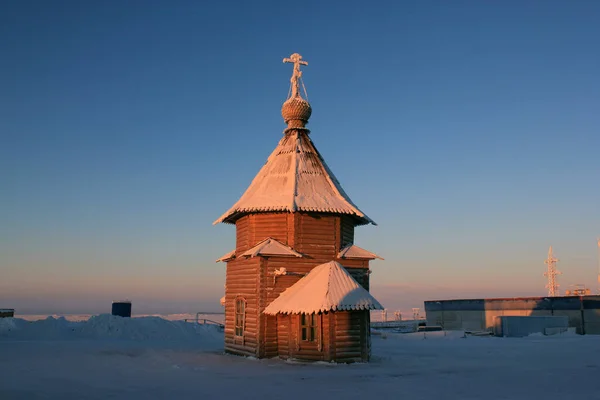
[{"x": 106, "y": 326}]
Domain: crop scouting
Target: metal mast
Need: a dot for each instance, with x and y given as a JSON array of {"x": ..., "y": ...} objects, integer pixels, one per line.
[
  {"x": 598, "y": 265},
  {"x": 551, "y": 273}
]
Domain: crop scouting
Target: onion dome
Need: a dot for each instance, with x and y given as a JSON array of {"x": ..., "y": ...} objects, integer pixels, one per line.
[{"x": 296, "y": 111}]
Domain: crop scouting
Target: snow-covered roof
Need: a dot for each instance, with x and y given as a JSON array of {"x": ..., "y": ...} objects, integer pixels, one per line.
[
  {"x": 328, "y": 287},
  {"x": 227, "y": 257},
  {"x": 295, "y": 178},
  {"x": 353, "y": 251},
  {"x": 270, "y": 247}
]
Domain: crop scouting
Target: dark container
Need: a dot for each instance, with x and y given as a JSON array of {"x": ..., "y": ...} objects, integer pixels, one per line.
[
  {"x": 7, "y": 312},
  {"x": 121, "y": 309}
]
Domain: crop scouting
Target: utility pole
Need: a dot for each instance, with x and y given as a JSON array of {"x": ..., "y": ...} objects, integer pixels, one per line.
[{"x": 598, "y": 265}]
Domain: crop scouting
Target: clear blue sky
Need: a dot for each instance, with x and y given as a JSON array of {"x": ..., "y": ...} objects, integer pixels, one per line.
[{"x": 468, "y": 130}]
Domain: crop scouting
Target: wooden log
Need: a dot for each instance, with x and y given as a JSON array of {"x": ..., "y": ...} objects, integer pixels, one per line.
[
  {"x": 306, "y": 225},
  {"x": 278, "y": 223},
  {"x": 346, "y": 326},
  {"x": 347, "y": 329},
  {"x": 234, "y": 286},
  {"x": 239, "y": 350},
  {"x": 269, "y": 229},
  {"x": 349, "y": 263},
  {"x": 316, "y": 245},
  {"x": 340, "y": 339},
  {"x": 241, "y": 269},
  {"x": 248, "y": 280},
  {"x": 305, "y": 231},
  {"x": 347, "y": 354},
  {"x": 349, "y": 346},
  {"x": 242, "y": 276}
]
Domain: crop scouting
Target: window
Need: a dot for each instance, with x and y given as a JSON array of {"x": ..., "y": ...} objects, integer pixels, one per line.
[
  {"x": 308, "y": 323},
  {"x": 240, "y": 316}
]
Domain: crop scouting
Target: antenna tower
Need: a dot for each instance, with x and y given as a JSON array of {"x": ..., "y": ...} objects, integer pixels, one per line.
[
  {"x": 598, "y": 265},
  {"x": 551, "y": 273}
]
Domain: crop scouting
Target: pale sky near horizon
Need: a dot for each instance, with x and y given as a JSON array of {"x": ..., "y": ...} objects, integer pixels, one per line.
[{"x": 468, "y": 130}]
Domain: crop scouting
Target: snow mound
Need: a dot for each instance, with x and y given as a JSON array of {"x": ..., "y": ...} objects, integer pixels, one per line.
[
  {"x": 105, "y": 326},
  {"x": 145, "y": 328},
  {"x": 49, "y": 328},
  {"x": 7, "y": 324}
]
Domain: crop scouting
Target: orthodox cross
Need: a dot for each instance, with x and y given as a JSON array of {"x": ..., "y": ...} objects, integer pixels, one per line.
[{"x": 296, "y": 59}]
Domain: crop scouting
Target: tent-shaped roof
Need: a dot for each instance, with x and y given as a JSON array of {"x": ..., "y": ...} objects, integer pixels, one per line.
[
  {"x": 295, "y": 178},
  {"x": 227, "y": 257},
  {"x": 270, "y": 247},
  {"x": 328, "y": 287},
  {"x": 353, "y": 251}
]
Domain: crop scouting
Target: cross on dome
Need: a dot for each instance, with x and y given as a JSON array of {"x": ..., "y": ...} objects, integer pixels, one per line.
[
  {"x": 296, "y": 59},
  {"x": 296, "y": 111}
]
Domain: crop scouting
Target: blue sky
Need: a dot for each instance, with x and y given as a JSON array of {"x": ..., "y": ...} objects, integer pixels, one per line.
[{"x": 468, "y": 130}]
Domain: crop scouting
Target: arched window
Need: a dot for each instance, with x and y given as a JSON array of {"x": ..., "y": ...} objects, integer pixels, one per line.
[{"x": 240, "y": 316}]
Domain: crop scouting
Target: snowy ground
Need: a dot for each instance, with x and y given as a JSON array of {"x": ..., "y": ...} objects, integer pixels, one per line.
[
  {"x": 217, "y": 317},
  {"x": 152, "y": 358}
]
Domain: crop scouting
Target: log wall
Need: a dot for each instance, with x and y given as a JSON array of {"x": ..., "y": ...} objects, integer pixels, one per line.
[
  {"x": 242, "y": 234},
  {"x": 241, "y": 282},
  {"x": 253, "y": 228},
  {"x": 283, "y": 336},
  {"x": 352, "y": 337},
  {"x": 347, "y": 231},
  {"x": 343, "y": 336},
  {"x": 292, "y": 345},
  {"x": 274, "y": 225},
  {"x": 319, "y": 237}
]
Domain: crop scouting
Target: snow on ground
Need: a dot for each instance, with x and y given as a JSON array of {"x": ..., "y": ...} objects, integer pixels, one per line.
[
  {"x": 103, "y": 326},
  {"x": 151, "y": 358},
  {"x": 217, "y": 317}
]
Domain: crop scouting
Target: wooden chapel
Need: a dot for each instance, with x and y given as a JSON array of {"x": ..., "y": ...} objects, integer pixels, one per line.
[{"x": 296, "y": 285}]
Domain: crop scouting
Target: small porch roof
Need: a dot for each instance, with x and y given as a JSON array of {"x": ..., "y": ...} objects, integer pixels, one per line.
[
  {"x": 270, "y": 247},
  {"x": 328, "y": 287},
  {"x": 227, "y": 257},
  {"x": 355, "y": 252}
]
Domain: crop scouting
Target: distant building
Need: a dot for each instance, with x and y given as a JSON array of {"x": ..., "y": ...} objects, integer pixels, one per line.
[
  {"x": 480, "y": 314},
  {"x": 296, "y": 285}
]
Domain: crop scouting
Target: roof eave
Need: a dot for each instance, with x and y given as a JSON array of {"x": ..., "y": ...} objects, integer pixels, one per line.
[
  {"x": 230, "y": 217},
  {"x": 343, "y": 253},
  {"x": 271, "y": 255},
  {"x": 364, "y": 220},
  {"x": 225, "y": 259},
  {"x": 259, "y": 250},
  {"x": 334, "y": 308},
  {"x": 227, "y": 256}
]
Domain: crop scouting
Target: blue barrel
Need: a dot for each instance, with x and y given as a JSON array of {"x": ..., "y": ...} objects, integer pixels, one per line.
[{"x": 121, "y": 309}]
